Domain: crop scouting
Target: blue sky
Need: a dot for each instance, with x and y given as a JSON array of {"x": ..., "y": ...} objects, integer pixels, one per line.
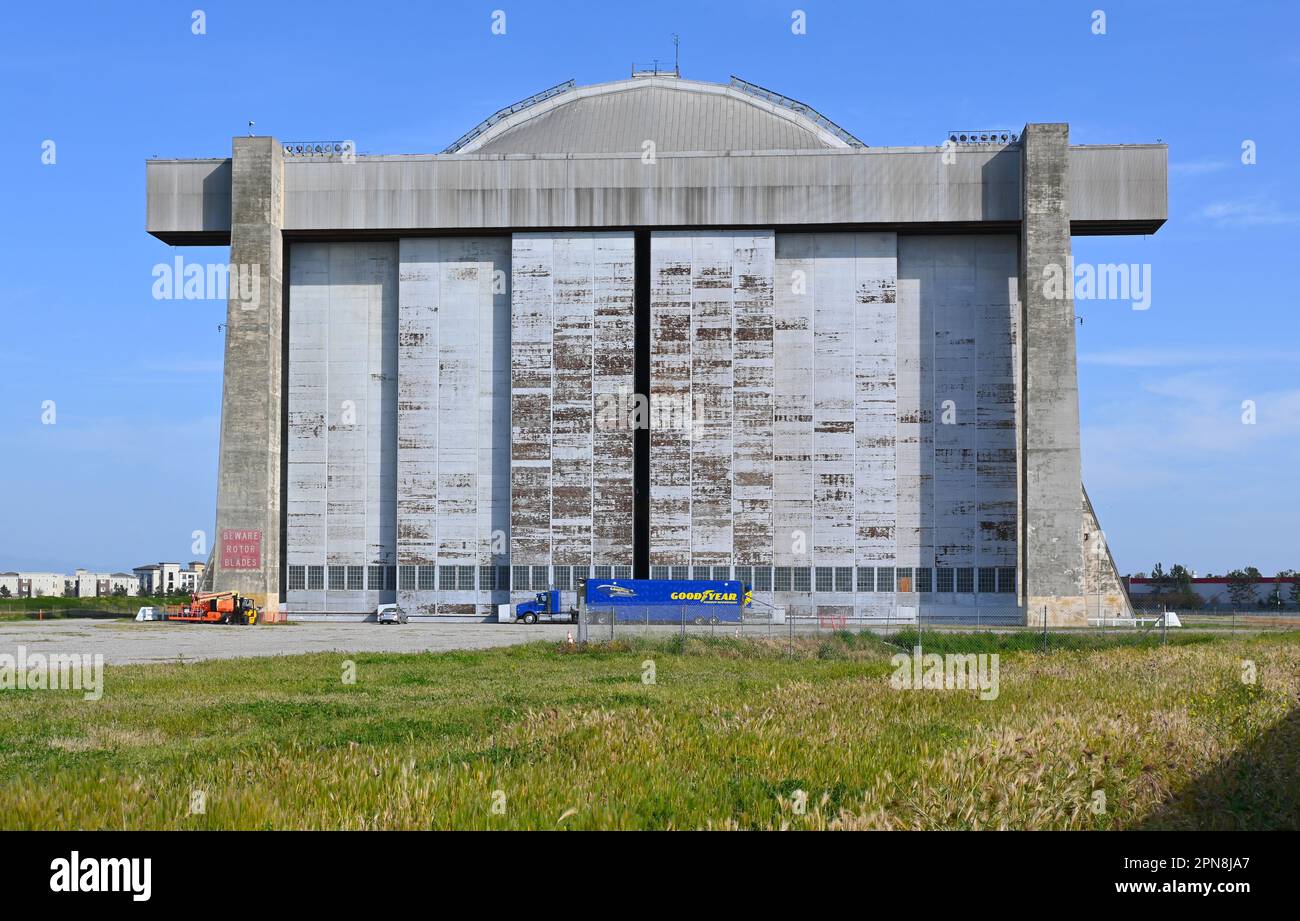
[{"x": 128, "y": 471}]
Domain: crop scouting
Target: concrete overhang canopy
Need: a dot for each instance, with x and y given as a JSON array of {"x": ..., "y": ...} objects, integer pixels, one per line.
[
  {"x": 676, "y": 115},
  {"x": 724, "y": 156}
]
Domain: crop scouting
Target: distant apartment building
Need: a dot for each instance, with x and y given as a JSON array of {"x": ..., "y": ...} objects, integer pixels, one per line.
[
  {"x": 95, "y": 584},
  {"x": 81, "y": 584},
  {"x": 35, "y": 584},
  {"x": 166, "y": 578}
]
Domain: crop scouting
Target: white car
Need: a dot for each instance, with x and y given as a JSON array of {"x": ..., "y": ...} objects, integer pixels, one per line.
[
  {"x": 149, "y": 613},
  {"x": 390, "y": 614}
]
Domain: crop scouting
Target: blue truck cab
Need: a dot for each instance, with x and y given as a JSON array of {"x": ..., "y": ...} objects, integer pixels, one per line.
[{"x": 545, "y": 606}]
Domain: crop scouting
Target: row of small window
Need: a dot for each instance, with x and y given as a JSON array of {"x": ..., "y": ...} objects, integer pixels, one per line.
[
  {"x": 342, "y": 578},
  {"x": 379, "y": 578},
  {"x": 446, "y": 578},
  {"x": 903, "y": 579}
]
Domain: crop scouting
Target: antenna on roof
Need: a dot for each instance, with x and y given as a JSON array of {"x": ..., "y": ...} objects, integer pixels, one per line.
[{"x": 655, "y": 71}]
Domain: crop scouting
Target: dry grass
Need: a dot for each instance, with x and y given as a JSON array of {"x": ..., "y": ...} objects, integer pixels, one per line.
[{"x": 725, "y": 738}]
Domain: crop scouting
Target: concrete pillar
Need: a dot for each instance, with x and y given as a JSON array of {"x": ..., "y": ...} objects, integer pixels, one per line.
[
  {"x": 248, "y": 538},
  {"x": 1051, "y": 494}
]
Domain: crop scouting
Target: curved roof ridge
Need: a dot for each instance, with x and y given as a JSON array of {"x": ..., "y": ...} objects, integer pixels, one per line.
[{"x": 598, "y": 118}]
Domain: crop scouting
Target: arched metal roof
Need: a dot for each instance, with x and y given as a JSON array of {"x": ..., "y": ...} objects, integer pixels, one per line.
[{"x": 677, "y": 115}]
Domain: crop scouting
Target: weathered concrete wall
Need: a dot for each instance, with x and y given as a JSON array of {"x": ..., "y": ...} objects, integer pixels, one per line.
[
  {"x": 801, "y": 385},
  {"x": 711, "y": 309},
  {"x": 852, "y": 460},
  {"x": 248, "y": 478},
  {"x": 453, "y": 418},
  {"x": 958, "y": 323},
  {"x": 997, "y": 350},
  {"x": 571, "y": 393},
  {"x": 876, "y": 385},
  {"x": 342, "y": 452},
  {"x": 1052, "y": 507},
  {"x": 836, "y": 373}
]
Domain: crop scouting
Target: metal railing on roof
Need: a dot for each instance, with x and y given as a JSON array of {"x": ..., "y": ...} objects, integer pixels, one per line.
[
  {"x": 795, "y": 105},
  {"x": 509, "y": 110},
  {"x": 655, "y": 70}
]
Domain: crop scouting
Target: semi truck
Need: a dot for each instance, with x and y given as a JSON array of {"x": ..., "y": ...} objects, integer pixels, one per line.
[
  {"x": 545, "y": 606},
  {"x": 640, "y": 601}
]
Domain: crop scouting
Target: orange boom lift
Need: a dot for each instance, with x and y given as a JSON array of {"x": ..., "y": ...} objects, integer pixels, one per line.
[{"x": 218, "y": 608}]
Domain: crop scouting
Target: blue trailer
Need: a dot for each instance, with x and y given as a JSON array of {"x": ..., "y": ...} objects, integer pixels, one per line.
[
  {"x": 663, "y": 601},
  {"x": 641, "y": 601}
]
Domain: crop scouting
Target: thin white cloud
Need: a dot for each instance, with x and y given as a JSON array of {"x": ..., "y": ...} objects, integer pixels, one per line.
[
  {"x": 1186, "y": 357},
  {"x": 1248, "y": 212},
  {"x": 179, "y": 366},
  {"x": 118, "y": 439},
  {"x": 1190, "y": 168},
  {"x": 1186, "y": 419}
]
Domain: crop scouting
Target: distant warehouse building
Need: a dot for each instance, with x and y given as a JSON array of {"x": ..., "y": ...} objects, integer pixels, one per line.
[{"x": 861, "y": 395}]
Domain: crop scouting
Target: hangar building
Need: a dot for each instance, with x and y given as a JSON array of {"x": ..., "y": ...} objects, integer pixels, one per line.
[{"x": 650, "y": 328}]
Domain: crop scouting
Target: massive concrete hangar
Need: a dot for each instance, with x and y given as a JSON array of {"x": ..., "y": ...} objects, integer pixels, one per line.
[{"x": 862, "y": 397}]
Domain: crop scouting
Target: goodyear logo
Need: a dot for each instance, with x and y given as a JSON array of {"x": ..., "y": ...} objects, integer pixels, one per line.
[{"x": 708, "y": 597}]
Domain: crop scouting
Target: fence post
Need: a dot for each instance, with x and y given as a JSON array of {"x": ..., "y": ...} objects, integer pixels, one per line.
[
  {"x": 1044, "y": 628},
  {"x": 1164, "y": 625}
]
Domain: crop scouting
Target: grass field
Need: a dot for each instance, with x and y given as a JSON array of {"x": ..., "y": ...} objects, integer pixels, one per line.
[
  {"x": 546, "y": 736},
  {"x": 53, "y": 608}
]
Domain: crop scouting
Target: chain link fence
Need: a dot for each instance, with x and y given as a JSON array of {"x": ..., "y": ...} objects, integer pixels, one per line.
[
  {"x": 943, "y": 628},
  {"x": 1220, "y": 619}
]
